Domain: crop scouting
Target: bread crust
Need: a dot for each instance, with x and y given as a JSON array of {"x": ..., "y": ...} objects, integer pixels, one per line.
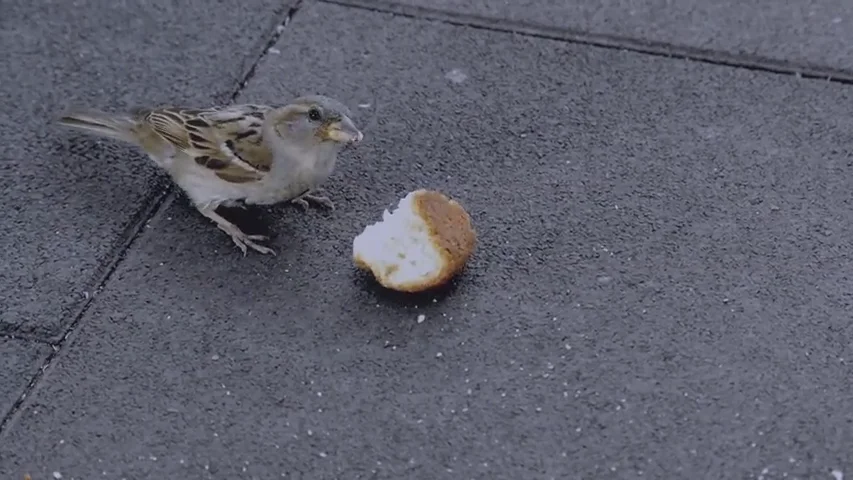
[{"x": 451, "y": 233}]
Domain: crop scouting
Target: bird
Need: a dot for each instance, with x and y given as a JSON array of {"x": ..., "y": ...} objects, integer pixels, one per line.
[{"x": 236, "y": 155}]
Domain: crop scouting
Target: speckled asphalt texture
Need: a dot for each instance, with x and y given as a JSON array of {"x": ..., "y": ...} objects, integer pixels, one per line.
[
  {"x": 661, "y": 288},
  {"x": 814, "y": 32}
]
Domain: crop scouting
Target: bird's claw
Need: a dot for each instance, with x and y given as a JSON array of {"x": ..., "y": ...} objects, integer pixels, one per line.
[
  {"x": 244, "y": 242},
  {"x": 318, "y": 199},
  {"x": 301, "y": 203}
]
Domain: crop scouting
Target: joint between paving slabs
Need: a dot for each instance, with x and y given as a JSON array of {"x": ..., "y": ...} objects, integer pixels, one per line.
[
  {"x": 289, "y": 15},
  {"x": 153, "y": 206},
  {"x": 602, "y": 40}
]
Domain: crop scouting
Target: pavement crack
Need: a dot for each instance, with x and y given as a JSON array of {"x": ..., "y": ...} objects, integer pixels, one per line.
[
  {"x": 603, "y": 40},
  {"x": 282, "y": 21},
  {"x": 103, "y": 274}
]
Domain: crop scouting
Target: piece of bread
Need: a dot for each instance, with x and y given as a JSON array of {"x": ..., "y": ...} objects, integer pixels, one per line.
[{"x": 422, "y": 244}]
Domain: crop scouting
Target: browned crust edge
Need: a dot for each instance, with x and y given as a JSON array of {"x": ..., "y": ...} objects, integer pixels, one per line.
[{"x": 451, "y": 232}]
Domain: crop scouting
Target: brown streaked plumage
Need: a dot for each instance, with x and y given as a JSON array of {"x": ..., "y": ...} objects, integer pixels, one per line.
[{"x": 238, "y": 154}]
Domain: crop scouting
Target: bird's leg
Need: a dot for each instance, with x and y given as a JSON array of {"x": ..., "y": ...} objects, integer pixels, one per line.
[
  {"x": 308, "y": 196},
  {"x": 238, "y": 236}
]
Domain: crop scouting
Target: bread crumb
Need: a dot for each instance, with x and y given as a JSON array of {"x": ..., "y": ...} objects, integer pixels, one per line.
[{"x": 423, "y": 243}]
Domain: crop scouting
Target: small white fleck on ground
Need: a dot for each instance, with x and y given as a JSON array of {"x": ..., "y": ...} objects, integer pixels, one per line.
[
  {"x": 456, "y": 76},
  {"x": 421, "y": 318},
  {"x": 838, "y": 474}
]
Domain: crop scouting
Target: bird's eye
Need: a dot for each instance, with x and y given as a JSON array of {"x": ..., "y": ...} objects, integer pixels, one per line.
[{"x": 314, "y": 114}]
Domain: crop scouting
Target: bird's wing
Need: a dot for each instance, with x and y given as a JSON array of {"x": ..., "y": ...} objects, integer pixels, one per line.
[{"x": 227, "y": 140}]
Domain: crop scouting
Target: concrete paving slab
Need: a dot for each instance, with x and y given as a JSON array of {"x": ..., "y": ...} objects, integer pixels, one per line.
[
  {"x": 19, "y": 361},
  {"x": 809, "y": 32},
  {"x": 661, "y": 288},
  {"x": 69, "y": 199}
]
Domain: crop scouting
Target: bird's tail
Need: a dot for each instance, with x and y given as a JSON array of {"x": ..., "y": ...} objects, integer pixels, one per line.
[{"x": 117, "y": 126}]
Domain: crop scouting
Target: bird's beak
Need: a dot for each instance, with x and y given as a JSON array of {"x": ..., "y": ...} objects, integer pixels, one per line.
[{"x": 344, "y": 131}]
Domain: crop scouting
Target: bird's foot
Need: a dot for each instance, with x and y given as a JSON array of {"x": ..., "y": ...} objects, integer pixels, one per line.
[
  {"x": 321, "y": 200},
  {"x": 242, "y": 240}
]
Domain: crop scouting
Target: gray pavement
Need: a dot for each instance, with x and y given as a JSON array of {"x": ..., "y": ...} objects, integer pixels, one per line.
[
  {"x": 660, "y": 289},
  {"x": 804, "y": 32},
  {"x": 19, "y": 362}
]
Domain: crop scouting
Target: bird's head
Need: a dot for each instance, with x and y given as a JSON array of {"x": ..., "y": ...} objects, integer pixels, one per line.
[{"x": 315, "y": 120}]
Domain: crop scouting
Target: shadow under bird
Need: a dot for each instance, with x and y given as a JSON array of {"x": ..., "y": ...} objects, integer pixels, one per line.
[{"x": 239, "y": 154}]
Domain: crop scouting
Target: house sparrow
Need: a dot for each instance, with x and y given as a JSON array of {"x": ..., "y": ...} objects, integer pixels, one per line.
[{"x": 237, "y": 155}]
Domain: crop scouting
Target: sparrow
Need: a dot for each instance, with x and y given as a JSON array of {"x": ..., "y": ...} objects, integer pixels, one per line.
[{"x": 236, "y": 155}]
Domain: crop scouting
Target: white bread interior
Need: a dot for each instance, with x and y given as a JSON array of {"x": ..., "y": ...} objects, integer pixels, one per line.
[{"x": 424, "y": 242}]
